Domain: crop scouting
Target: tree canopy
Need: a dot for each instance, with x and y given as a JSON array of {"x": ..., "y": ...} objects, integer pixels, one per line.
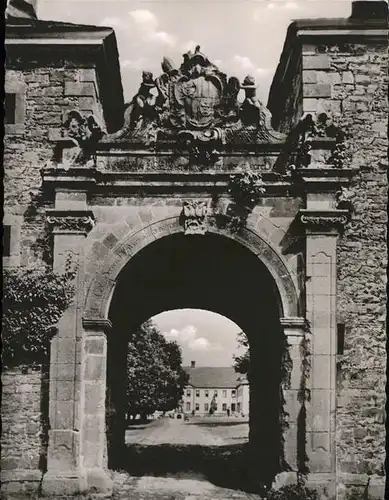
[
  {"x": 156, "y": 379},
  {"x": 242, "y": 363}
]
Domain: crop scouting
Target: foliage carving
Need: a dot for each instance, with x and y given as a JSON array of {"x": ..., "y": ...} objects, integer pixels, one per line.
[{"x": 246, "y": 189}]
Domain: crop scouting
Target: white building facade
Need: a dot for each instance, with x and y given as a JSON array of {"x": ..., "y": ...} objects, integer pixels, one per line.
[{"x": 218, "y": 387}]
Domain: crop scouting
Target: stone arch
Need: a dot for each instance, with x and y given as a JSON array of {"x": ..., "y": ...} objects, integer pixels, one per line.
[{"x": 99, "y": 294}]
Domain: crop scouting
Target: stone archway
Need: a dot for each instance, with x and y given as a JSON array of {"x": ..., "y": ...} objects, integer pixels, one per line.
[
  {"x": 103, "y": 282},
  {"x": 96, "y": 324}
]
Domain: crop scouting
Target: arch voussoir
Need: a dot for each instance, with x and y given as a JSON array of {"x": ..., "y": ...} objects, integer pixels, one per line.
[{"x": 100, "y": 291}]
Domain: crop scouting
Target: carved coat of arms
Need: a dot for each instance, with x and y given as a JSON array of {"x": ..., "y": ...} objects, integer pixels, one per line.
[
  {"x": 197, "y": 105},
  {"x": 197, "y": 96}
]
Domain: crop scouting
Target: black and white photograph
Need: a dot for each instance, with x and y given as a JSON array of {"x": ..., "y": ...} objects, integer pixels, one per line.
[{"x": 194, "y": 249}]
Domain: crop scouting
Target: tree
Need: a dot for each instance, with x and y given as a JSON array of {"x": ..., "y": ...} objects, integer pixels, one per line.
[
  {"x": 155, "y": 378},
  {"x": 242, "y": 363},
  {"x": 33, "y": 302}
]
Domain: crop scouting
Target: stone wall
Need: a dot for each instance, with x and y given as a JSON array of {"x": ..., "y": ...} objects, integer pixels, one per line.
[
  {"x": 49, "y": 93},
  {"x": 362, "y": 259},
  {"x": 346, "y": 77},
  {"x": 24, "y": 415},
  {"x": 349, "y": 81}
]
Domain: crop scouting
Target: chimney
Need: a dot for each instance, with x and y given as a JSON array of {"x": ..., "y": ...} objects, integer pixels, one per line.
[
  {"x": 193, "y": 364},
  {"x": 369, "y": 9}
]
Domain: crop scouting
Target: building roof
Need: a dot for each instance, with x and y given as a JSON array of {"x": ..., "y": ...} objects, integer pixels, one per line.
[
  {"x": 28, "y": 40},
  {"x": 367, "y": 24},
  {"x": 212, "y": 377}
]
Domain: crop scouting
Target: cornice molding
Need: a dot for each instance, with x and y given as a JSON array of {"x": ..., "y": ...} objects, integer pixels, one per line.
[
  {"x": 96, "y": 325},
  {"x": 70, "y": 221}
]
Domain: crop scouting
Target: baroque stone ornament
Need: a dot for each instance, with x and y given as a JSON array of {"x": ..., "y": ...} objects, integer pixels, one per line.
[
  {"x": 322, "y": 219},
  {"x": 194, "y": 216},
  {"x": 81, "y": 135},
  {"x": 74, "y": 224},
  {"x": 195, "y": 101},
  {"x": 315, "y": 128}
]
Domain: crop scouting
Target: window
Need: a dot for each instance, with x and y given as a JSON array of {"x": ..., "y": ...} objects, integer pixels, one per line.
[
  {"x": 197, "y": 407},
  {"x": 14, "y": 105},
  {"x": 224, "y": 407},
  {"x": 188, "y": 393},
  {"x": 6, "y": 240},
  {"x": 10, "y": 108},
  {"x": 215, "y": 393},
  {"x": 224, "y": 393},
  {"x": 188, "y": 406},
  {"x": 238, "y": 407},
  {"x": 340, "y": 338},
  {"x": 206, "y": 407},
  {"x": 11, "y": 240},
  {"x": 233, "y": 393},
  {"x": 197, "y": 393},
  {"x": 206, "y": 393},
  {"x": 232, "y": 406}
]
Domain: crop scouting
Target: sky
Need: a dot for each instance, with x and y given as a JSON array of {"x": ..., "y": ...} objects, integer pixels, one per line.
[
  {"x": 241, "y": 37},
  {"x": 205, "y": 337}
]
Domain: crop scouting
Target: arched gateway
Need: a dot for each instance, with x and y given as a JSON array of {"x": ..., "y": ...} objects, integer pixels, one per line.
[{"x": 196, "y": 193}]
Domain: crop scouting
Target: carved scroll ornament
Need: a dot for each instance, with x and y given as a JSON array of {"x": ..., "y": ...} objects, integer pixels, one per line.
[
  {"x": 71, "y": 223},
  {"x": 323, "y": 220}
]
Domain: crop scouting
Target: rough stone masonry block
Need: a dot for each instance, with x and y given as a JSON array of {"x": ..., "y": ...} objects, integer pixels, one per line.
[
  {"x": 95, "y": 345},
  {"x": 310, "y": 105},
  {"x": 66, "y": 350},
  {"x": 319, "y": 412},
  {"x": 322, "y": 341},
  {"x": 320, "y": 61},
  {"x": 61, "y": 450},
  {"x": 64, "y": 390},
  {"x": 317, "y": 90},
  {"x": 95, "y": 368},
  {"x": 94, "y": 398},
  {"x": 321, "y": 371},
  {"x": 87, "y": 75},
  {"x": 309, "y": 76},
  {"x": 80, "y": 89},
  {"x": 63, "y": 417}
]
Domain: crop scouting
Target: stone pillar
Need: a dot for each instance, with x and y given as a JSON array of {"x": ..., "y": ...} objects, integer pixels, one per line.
[
  {"x": 93, "y": 432},
  {"x": 322, "y": 229},
  {"x": 294, "y": 332},
  {"x": 70, "y": 226}
]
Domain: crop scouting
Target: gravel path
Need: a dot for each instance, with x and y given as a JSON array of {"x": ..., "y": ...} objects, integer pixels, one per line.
[{"x": 174, "y": 432}]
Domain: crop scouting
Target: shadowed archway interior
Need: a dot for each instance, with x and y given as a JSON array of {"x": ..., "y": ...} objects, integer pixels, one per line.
[{"x": 217, "y": 274}]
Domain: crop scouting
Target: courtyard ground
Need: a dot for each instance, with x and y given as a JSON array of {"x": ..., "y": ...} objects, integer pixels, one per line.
[{"x": 169, "y": 459}]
